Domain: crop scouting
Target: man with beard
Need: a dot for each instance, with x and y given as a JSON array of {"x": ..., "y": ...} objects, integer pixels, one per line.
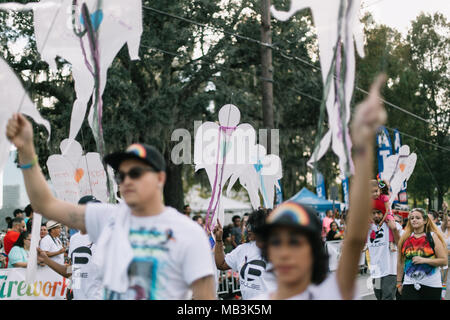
[{"x": 383, "y": 262}]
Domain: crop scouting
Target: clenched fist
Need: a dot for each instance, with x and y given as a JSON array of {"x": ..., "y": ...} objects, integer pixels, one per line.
[{"x": 20, "y": 131}]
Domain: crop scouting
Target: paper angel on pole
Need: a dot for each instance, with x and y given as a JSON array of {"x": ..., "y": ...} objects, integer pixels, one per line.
[
  {"x": 13, "y": 98},
  {"x": 397, "y": 170},
  {"x": 337, "y": 24},
  {"x": 75, "y": 175},
  {"x": 88, "y": 34},
  {"x": 259, "y": 176},
  {"x": 215, "y": 151},
  {"x": 229, "y": 152}
]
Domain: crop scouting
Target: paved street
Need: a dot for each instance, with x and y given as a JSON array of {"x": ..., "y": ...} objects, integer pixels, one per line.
[{"x": 367, "y": 294}]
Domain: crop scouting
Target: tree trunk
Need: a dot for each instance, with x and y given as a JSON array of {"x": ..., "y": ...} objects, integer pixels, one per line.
[
  {"x": 440, "y": 200},
  {"x": 173, "y": 189},
  {"x": 267, "y": 72}
]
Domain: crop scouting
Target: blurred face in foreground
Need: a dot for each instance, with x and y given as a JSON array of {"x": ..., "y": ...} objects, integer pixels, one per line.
[
  {"x": 143, "y": 189},
  {"x": 291, "y": 255}
]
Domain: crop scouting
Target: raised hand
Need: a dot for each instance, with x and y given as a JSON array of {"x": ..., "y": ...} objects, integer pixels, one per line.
[
  {"x": 370, "y": 115},
  {"x": 19, "y": 131},
  {"x": 218, "y": 231}
]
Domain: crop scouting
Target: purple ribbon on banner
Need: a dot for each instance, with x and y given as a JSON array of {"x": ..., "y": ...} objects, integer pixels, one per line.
[{"x": 228, "y": 132}]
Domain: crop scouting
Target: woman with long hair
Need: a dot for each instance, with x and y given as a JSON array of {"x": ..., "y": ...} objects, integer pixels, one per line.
[
  {"x": 18, "y": 256},
  {"x": 291, "y": 238},
  {"x": 422, "y": 250}
]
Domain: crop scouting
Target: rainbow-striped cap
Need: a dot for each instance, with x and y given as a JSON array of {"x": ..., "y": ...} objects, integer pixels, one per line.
[
  {"x": 291, "y": 213},
  {"x": 148, "y": 154}
]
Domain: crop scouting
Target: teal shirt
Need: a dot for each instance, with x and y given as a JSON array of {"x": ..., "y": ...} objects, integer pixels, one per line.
[{"x": 17, "y": 254}]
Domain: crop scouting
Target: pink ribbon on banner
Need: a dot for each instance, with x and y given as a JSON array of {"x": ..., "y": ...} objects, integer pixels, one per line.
[{"x": 228, "y": 132}]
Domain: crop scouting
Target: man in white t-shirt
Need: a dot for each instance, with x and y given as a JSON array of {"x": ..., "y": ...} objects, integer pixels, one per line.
[
  {"x": 86, "y": 280},
  {"x": 145, "y": 250},
  {"x": 383, "y": 261},
  {"x": 254, "y": 276},
  {"x": 51, "y": 243}
]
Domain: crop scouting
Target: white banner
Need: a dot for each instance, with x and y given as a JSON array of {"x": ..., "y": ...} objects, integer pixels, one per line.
[
  {"x": 334, "y": 251},
  {"x": 48, "y": 285}
]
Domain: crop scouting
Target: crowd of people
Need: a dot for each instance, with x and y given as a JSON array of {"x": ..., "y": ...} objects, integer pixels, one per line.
[{"x": 142, "y": 249}]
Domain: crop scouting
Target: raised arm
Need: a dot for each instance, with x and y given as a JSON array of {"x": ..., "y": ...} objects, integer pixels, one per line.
[
  {"x": 219, "y": 254},
  {"x": 20, "y": 132},
  {"x": 369, "y": 115}
]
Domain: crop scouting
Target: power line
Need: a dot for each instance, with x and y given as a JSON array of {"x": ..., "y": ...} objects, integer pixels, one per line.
[
  {"x": 282, "y": 52},
  {"x": 429, "y": 170},
  {"x": 306, "y": 95},
  {"x": 413, "y": 137},
  {"x": 371, "y": 4}
]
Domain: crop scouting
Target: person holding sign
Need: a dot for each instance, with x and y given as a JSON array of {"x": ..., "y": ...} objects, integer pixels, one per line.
[
  {"x": 291, "y": 236},
  {"x": 145, "y": 250}
]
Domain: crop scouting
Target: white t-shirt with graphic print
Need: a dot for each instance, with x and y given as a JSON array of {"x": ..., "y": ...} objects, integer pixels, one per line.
[
  {"x": 253, "y": 276},
  {"x": 86, "y": 282},
  {"x": 383, "y": 261},
  {"x": 170, "y": 252},
  {"x": 327, "y": 290}
]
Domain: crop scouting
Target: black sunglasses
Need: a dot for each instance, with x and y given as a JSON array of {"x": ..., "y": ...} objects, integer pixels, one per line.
[{"x": 134, "y": 173}]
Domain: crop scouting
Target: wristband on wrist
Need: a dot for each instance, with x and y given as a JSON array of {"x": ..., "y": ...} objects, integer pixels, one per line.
[
  {"x": 29, "y": 165},
  {"x": 219, "y": 240}
]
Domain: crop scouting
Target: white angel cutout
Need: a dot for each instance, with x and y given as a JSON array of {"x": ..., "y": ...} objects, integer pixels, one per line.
[
  {"x": 13, "y": 99},
  {"x": 117, "y": 21},
  {"x": 397, "y": 170},
  {"x": 259, "y": 176},
  {"x": 75, "y": 175},
  {"x": 220, "y": 150},
  {"x": 326, "y": 16}
]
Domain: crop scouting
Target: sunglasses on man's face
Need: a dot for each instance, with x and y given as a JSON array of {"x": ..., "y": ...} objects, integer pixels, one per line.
[{"x": 134, "y": 173}]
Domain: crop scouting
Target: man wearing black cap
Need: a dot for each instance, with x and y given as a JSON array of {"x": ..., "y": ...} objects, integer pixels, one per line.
[{"x": 145, "y": 250}]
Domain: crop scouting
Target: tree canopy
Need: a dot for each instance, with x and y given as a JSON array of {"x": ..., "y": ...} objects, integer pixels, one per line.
[{"x": 192, "y": 63}]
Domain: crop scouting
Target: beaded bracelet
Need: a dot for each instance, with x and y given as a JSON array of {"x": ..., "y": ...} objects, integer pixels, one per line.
[{"x": 29, "y": 165}]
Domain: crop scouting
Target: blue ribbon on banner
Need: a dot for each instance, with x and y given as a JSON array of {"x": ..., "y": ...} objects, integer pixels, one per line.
[
  {"x": 278, "y": 194},
  {"x": 384, "y": 147},
  {"x": 320, "y": 188},
  {"x": 345, "y": 190}
]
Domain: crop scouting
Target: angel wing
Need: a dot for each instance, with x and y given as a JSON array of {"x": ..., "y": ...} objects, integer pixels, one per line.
[{"x": 14, "y": 99}]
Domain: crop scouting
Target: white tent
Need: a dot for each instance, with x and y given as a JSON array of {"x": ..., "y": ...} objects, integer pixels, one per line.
[{"x": 231, "y": 207}]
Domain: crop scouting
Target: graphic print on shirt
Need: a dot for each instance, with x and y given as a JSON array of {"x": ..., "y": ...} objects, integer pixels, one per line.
[
  {"x": 80, "y": 256},
  {"x": 251, "y": 271},
  {"x": 145, "y": 272},
  {"x": 418, "y": 248},
  {"x": 376, "y": 236}
]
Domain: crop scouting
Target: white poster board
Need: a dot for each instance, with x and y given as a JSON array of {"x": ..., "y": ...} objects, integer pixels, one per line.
[
  {"x": 334, "y": 251},
  {"x": 48, "y": 285}
]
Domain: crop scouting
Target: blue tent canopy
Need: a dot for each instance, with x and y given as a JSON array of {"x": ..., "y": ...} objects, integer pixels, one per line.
[{"x": 310, "y": 198}]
